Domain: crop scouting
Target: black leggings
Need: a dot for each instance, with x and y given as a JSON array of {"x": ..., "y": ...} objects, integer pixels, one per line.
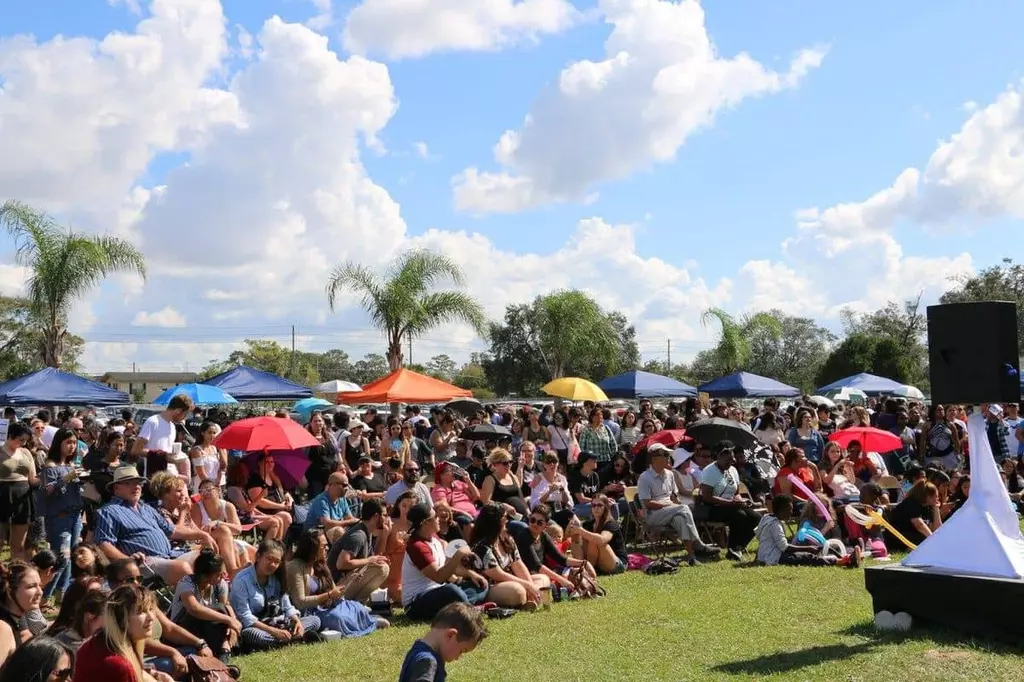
[
  {"x": 215, "y": 634},
  {"x": 741, "y": 521}
]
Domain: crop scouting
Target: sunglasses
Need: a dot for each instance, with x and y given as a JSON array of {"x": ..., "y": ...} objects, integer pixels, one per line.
[
  {"x": 63, "y": 675},
  {"x": 597, "y": 505},
  {"x": 538, "y": 522}
]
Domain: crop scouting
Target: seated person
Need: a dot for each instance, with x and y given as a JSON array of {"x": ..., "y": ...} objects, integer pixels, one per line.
[
  {"x": 86, "y": 621},
  {"x": 262, "y": 606},
  {"x": 428, "y": 575},
  {"x": 312, "y": 591},
  {"x": 170, "y": 643},
  {"x": 774, "y": 549},
  {"x": 453, "y": 487},
  {"x": 201, "y": 605},
  {"x": 175, "y": 505},
  {"x": 584, "y": 483},
  {"x": 540, "y": 551},
  {"x": 916, "y": 517},
  {"x": 511, "y": 584},
  {"x": 368, "y": 484},
  {"x": 329, "y": 510},
  {"x": 266, "y": 491},
  {"x": 220, "y": 519},
  {"x": 410, "y": 481},
  {"x": 796, "y": 463},
  {"x": 359, "y": 569},
  {"x": 721, "y": 502},
  {"x": 657, "y": 492},
  {"x": 274, "y": 526},
  {"x": 599, "y": 540},
  {"x": 127, "y": 527}
]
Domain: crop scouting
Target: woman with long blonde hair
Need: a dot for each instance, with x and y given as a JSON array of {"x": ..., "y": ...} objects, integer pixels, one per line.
[{"x": 114, "y": 654}]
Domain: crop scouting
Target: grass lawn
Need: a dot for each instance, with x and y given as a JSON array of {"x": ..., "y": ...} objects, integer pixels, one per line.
[{"x": 716, "y": 622}]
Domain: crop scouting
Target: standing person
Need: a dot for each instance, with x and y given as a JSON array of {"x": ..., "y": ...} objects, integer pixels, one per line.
[
  {"x": 598, "y": 438},
  {"x": 208, "y": 461},
  {"x": 17, "y": 477},
  {"x": 443, "y": 440},
  {"x": 159, "y": 433},
  {"x": 64, "y": 506},
  {"x": 456, "y": 629},
  {"x": 324, "y": 458},
  {"x": 354, "y": 444}
]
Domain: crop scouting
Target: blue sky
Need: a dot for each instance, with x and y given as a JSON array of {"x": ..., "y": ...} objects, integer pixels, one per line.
[{"x": 892, "y": 86}]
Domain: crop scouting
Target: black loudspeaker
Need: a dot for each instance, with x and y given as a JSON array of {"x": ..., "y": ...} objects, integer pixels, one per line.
[{"x": 972, "y": 353}]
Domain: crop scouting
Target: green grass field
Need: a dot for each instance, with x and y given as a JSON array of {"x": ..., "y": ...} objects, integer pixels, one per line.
[{"x": 715, "y": 622}]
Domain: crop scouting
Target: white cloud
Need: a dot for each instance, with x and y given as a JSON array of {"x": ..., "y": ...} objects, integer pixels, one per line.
[
  {"x": 661, "y": 81},
  {"x": 221, "y": 295},
  {"x": 82, "y": 118},
  {"x": 401, "y": 29},
  {"x": 324, "y": 16},
  {"x": 975, "y": 175},
  {"x": 12, "y": 279},
  {"x": 421, "y": 150},
  {"x": 132, "y": 5},
  {"x": 165, "y": 317}
]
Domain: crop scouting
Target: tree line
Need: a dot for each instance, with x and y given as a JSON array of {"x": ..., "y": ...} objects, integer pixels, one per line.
[{"x": 563, "y": 333}]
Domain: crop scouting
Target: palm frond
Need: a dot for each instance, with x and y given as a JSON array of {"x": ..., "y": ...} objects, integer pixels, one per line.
[
  {"x": 361, "y": 281},
  {"x": 419, "y": 270},
  {"x": 34, "y": 232},
  {"x": 445, "y": 307}
]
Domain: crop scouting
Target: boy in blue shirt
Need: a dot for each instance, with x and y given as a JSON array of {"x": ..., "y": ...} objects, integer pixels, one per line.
[{"x": 455, "y": 630}]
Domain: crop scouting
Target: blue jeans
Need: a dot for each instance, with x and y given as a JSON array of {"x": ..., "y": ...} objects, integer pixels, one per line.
[
  {"x": 426, "y": 606},
  {"x": 62, "y": 533},
  {"x": 165, "y": 665}
]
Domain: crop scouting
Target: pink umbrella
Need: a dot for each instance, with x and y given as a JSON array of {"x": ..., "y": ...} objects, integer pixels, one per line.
[{"x": 289, "y": 465}]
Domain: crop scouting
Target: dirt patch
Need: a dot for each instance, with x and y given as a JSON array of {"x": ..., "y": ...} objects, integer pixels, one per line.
[{"x": 936, "y": 655}]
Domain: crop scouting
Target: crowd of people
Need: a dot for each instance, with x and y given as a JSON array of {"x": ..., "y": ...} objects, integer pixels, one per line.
[{"x": 139, "y": 549}]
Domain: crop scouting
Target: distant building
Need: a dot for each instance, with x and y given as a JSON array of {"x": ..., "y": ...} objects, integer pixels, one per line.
[{"x": 144, "y": 387}]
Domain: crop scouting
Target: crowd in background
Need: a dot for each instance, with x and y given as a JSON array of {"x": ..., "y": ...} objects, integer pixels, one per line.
[{"x": 136, "y": 547}]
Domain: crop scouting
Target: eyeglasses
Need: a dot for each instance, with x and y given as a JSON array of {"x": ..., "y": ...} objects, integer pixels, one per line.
[
  {"x": 597, "y": 505},
  {"x": 538, "y": 522}
]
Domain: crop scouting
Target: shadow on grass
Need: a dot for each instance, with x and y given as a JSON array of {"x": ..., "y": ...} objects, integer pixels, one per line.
[
  {"x": 789, "y": 661},
  {"x": 933, "y": 633}
]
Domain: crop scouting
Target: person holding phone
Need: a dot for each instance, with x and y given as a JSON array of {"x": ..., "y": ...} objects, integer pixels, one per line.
[{"x": 453, "y": 488}]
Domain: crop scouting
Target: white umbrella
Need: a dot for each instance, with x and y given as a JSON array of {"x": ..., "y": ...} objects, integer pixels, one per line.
[
  {"x": 909, "y": 392},
  {"x": 849, "y": 395},
  {"x": 330, "y": 387},
  {"x": 822, "y": 400}
]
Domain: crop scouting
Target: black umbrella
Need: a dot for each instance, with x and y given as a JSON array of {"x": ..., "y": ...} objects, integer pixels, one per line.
[
  {"x": 712, "y": 431},
  {"x": 465, "y": 406},
  {"x": 485, "y": 432}
]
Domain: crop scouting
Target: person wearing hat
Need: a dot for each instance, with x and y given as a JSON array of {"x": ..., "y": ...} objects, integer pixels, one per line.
[
  {"x": 126, "y": 528},
  {"x": 687, "y": 475},
  {"x": 997, "y": 432},
  {"x": 354, "y": 444},
  {"x": 659, "y": 495}
]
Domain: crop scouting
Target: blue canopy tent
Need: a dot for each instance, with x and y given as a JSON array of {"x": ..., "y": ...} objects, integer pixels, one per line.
[
  {"x": 51, "y": 386},
  {"x": 637, "y": 384},
  {"x": 869, "y": 383},
  {"x": 747, "y": 385},
  {"x": 245, "y": 383}
]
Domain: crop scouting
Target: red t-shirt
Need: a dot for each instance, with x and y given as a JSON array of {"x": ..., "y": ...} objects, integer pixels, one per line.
[
  {"x": 803, "y": 474},
  {"x": 94, "y": 661},
  {"x": 419, "y": 552}
]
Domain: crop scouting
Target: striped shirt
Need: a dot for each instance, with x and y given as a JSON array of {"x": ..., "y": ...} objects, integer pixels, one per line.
[{"x": 133, "y": 529}]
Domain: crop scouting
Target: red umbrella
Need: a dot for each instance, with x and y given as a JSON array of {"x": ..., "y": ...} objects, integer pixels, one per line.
[
  {"x": 265, "y": 433},
  {"x": 871, "y": 439},
  {"x": 667, "y": 437}
]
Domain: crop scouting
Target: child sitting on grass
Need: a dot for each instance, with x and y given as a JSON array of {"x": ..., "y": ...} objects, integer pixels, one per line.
[
  {"x": 774, "y": 549},
  {"x": 455, "y": 630}
]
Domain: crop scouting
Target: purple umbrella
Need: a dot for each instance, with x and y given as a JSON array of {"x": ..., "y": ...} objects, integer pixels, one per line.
[{"x": 289, "y": 465}]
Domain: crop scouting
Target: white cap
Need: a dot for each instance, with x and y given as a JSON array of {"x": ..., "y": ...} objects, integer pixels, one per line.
[
  {"x": 680, "y": 456},
  {"x": 356, "y": 424},
  {"x": 995, "y": 409},
  {"x": 659, "y": 448}
]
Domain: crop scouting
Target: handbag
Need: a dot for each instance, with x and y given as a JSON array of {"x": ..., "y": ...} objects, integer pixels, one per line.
[
  {"x": 583, "y": 585},
  {"x": 207, "y": 669}
]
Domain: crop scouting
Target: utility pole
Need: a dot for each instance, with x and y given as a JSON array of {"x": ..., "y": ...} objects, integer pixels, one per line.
[
  {"x": 291, "y": 371},
  {"x": 668, "y": 362}
]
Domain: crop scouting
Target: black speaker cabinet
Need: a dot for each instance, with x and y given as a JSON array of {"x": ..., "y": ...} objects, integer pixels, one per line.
[{"x": 972, "y": 352}]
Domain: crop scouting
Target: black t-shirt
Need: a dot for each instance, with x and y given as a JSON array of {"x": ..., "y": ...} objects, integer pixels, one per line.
[
  {"x": 618, "y": 544},
  {"x": 373, "y": 484},
  {"x": 901, "y": 517},
  {"x": 536, "y": 554},
  {"x": 585, "y": 484}
]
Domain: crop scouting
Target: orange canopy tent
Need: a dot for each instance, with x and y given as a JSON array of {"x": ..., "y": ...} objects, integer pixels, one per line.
[{"x": 405, "y": 386}]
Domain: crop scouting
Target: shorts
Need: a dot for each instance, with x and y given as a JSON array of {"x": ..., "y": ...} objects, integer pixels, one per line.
[
  {"x": 163, "y": 567},
  {"x": 620, "y": 567},
  {"x": 17, "y": 506}
]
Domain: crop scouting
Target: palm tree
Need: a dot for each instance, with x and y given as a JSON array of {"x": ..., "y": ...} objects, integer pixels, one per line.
[
  {"x": 733, "y": 350},
  {"x": 400, "y": 302},
  {"x": 63, "y": 266}
]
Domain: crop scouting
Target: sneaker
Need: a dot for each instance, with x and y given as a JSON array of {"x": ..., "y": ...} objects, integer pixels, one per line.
[
  {"x": 734, "y": 554},
  {"x": 692, "y": 560},
  {"x": 709, "y": 549},
  {"x": 855, "y": 558},
  {"x": 487, "y": 606}
]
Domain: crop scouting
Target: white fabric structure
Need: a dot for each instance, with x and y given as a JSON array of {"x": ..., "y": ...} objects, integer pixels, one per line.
[
  {"x": 333, "y": 387},
  {"x": 911, "y": 392},
  {"x": 983, "y": 537}
]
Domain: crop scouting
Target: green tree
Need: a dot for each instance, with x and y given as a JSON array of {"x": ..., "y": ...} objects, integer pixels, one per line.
[
  {"x": 793, "y": 355},
  {"x": 21, "y": 338},
  {"x": 372, "y": 367},
  {"x": 862, "y": 352},
  {"x": 401, "y": 304},
  {"x": 998, "y": 283},
  {"x": 734, "y": 342},
  {"x": 334, "y": 365},
  {"x": 565, "y": 333},
  {"x": 442, "y": 367},
  {"x": 268, "y": 356},
  {"x": 63, "y": 266},
  {"x": 903, "y": 326}
]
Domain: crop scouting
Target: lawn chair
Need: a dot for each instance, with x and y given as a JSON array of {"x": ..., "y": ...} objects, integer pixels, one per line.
[
  {"x": 743, "y": 491},
  {"x": 891, "y": 485}
]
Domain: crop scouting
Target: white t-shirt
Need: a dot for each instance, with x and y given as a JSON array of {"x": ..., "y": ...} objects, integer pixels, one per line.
[
  {"x": 158, "y": 433},
  {"x": 414, "y": 583},
  {"x": 722, "y": 483},
  {"x": 542, "y": 486},
  {"x": 1012, "y": 446},
  {"x": 48, "y": 432}
]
